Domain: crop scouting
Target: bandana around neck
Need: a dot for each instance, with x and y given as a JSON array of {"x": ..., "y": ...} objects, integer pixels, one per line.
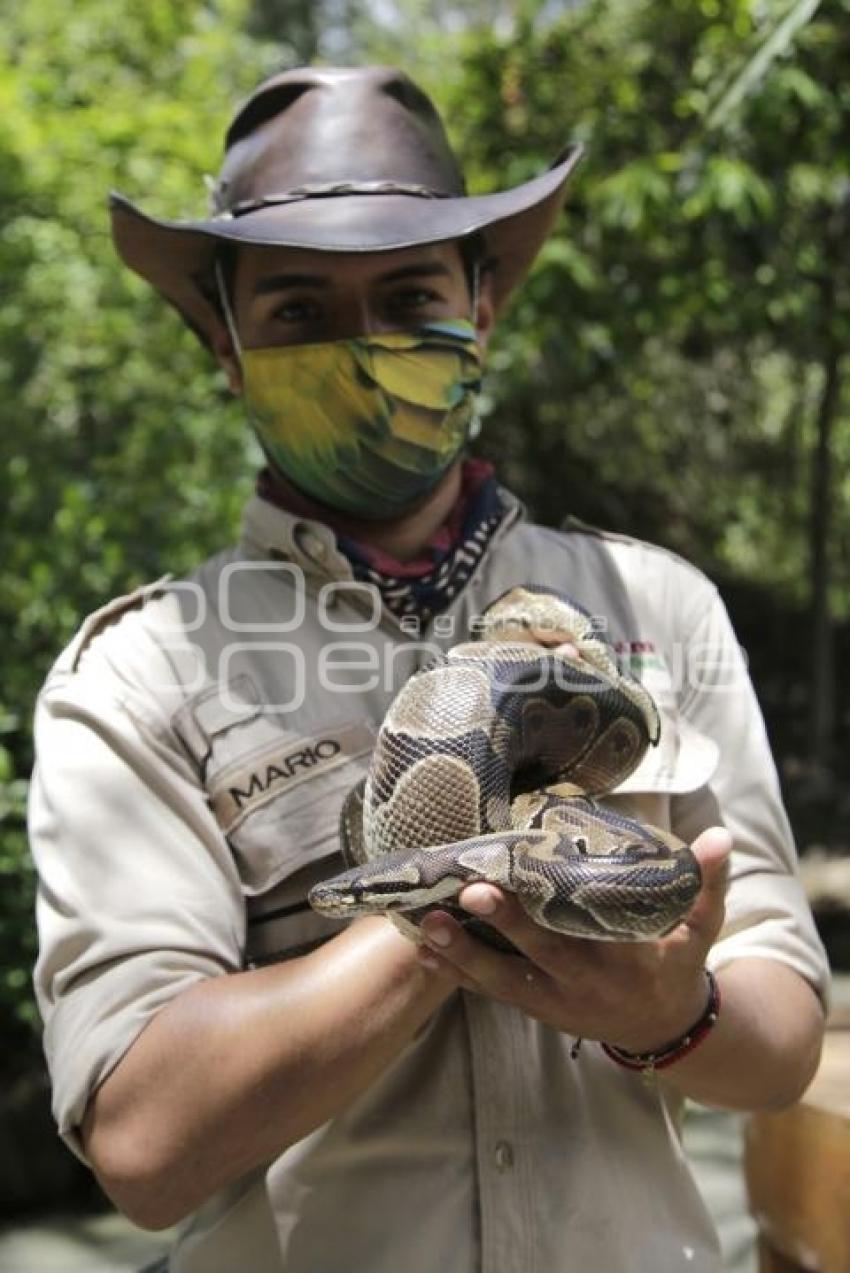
[{"x": 415, "y": 591}]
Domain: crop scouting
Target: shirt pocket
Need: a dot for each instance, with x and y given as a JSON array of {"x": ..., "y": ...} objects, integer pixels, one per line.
[
  {"x": 276, "y": 791},
  {"x": 683, "y": 760}
]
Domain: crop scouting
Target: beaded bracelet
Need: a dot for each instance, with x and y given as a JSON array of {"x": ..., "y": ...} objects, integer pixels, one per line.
[{"x": 649, "y": 1062}]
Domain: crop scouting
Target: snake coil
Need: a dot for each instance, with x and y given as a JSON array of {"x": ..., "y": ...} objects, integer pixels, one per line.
[{"x": 486, "y": 768}]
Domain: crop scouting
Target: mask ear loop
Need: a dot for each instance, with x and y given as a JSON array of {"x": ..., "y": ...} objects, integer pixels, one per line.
[
  {"x": 475, "y": 423},
  {"x": 476, "y": 292},
  {"x": 227, "y": 311}
]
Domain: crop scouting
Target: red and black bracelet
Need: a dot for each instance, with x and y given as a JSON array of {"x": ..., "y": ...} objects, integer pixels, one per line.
[{"x": 648, "y": 1062}]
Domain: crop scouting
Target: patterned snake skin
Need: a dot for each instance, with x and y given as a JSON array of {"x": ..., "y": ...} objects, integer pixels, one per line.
[{"x": 485, "y": 768}]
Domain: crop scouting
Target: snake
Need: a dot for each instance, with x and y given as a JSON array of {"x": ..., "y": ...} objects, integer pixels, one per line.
[{"x": 492, "y": 764}]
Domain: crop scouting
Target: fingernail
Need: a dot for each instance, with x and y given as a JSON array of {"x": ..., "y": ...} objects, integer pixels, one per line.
[
  {"x": 437, "y": 934},
  {"x": 480, "y": 901},
  {"x": 428, "y": 961}
]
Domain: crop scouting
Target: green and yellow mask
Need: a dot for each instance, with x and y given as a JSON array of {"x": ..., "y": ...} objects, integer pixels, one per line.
[{"x": 367, "y": 425}]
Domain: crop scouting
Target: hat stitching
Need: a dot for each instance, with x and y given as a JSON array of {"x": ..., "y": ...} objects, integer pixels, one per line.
[{"x": 330, "y": 189}]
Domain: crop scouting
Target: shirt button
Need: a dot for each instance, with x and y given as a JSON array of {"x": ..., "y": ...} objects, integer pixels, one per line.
[
  {"x": 504, "y": 1156},
  {"x": 310, "y": 544}
]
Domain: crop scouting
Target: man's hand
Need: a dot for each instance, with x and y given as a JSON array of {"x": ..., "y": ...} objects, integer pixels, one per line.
[{"x": 634, "y": 995}]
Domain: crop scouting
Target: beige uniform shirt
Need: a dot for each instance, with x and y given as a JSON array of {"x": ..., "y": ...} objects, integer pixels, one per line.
[{"x": 195, "y": 742}]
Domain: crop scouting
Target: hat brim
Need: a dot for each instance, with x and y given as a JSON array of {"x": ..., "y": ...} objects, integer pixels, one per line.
[{"x": 177, "y": 257}]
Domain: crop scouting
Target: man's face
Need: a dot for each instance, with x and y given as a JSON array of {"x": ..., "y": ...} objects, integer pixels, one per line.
[{"x": 289, "y": 296}]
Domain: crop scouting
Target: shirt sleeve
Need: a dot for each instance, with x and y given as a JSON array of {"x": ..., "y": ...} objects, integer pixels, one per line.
[
  {"x": 767, "y": 913},
  {"x": 138, "y": 895}
]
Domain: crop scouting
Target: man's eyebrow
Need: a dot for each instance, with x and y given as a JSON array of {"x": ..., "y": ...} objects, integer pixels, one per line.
[
  {"x": 280, "y": 282},
  {"x": 424, "y": 269}
]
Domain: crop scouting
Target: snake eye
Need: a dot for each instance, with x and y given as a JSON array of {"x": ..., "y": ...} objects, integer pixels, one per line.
[{"x": 581, "y": 843}]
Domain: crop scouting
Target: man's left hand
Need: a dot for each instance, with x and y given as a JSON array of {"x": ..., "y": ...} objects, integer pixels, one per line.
[{"x": 635, "y": 995}]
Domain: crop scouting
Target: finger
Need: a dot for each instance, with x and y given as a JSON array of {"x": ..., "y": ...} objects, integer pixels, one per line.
[
  {"x": 711, "y": 849},
  {"x": 483, "y": 900},
  {"x": 544, "y": 947},
  {"x": 433, "y": 963},
  {"x": 501, "y": 975}
]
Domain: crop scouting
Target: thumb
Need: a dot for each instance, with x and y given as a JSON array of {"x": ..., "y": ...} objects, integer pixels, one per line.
[{"x": 711, "y": 849}]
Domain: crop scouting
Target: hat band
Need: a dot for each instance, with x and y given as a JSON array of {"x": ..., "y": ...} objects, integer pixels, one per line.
[{"x": 329, "y": 190}]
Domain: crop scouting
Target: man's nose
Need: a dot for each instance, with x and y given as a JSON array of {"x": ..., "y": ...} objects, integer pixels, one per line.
[{"x": 358, "y": 315}]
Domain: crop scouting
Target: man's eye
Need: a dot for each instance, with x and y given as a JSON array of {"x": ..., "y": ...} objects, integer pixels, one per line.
[
  {"x": 297, "y": 311},
  {"x": 414, "y": 298}
]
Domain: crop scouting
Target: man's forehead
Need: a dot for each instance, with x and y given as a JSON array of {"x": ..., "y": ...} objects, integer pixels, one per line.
[{"x": 259, "y": 263}]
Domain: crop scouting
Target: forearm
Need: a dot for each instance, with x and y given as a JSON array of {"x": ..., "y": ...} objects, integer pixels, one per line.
[
  {"x": 239, "y": 1067},
  {"x": 765, "y": 1047}
]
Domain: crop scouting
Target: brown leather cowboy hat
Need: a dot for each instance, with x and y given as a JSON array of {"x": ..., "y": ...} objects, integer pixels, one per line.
[{"x": 343, "y": 160}]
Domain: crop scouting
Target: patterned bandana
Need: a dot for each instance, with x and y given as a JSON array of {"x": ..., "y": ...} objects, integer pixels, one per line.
[
  {"x": 367, "y": 425},
  {"x": 416, "y": 591}
]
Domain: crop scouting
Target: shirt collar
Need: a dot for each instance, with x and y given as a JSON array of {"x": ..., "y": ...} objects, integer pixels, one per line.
[{"x": 270, "y": 533}]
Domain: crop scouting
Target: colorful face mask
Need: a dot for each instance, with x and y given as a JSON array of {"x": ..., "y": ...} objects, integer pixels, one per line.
[{"x": 367, "y": 425}]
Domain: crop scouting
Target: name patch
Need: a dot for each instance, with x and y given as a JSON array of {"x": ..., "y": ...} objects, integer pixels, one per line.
[{"x": 281, "y": 766}]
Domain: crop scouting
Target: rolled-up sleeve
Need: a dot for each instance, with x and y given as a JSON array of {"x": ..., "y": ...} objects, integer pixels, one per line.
[
  {"x": 767, "y": 913},
  {"x": 138, "y": 896}
]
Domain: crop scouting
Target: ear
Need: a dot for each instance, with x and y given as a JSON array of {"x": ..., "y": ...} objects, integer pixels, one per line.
[
  {"x": 226, "y": 356},
  {"x": 486, "y": 316}
]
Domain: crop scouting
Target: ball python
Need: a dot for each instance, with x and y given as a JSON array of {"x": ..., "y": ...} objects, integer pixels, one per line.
[{"x": 487, "y": 768}]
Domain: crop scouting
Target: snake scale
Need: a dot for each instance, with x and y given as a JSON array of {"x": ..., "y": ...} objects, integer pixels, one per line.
[{"x": 487, "y": 768}]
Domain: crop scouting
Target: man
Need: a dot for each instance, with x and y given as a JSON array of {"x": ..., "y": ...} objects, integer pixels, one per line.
[{"x": 313, "y": 1096}]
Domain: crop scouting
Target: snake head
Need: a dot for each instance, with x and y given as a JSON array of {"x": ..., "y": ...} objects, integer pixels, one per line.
[
  {"x": 400, "y": 881},
  {"x": 344, "y": 896}
]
